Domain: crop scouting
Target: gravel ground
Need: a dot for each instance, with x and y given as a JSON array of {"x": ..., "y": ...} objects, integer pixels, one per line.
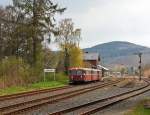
[
  {"x": 84, "y": 98},
  {"x": 37, "y": 96},
  {"x": 123, "y": 107}
]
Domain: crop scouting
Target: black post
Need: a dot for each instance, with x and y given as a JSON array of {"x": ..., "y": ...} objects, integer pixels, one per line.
[
  {"x": 66, "y": 61},
  {"x": 1, "y": 44},
  {"x": 140, "y": 66}
]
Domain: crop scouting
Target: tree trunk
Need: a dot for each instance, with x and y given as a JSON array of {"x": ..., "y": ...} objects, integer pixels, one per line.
[
  {"x": 66, "y": 61},
  {"x": 34, "y": 50},
  {"x": 34, "y": 33},
  {"x": 1, "y": 44}
]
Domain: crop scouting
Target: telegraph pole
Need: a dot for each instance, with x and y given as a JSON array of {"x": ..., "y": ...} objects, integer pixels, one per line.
[{"x": 140, "y": 65}]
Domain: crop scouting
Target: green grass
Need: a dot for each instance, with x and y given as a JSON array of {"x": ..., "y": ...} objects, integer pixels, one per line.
[
  {"x": 43, "y": 85},
  {"x": 35, "y": 86},
  {"x": 139, "y": 110},
  {"x": 61, "y": 80}
]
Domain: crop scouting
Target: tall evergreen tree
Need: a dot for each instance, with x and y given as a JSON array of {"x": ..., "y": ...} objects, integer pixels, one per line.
[{"x": 38, "y": 16}]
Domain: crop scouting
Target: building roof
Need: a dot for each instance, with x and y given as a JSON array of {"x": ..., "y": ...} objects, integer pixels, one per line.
[
  {"x": 102, "y": 67},
  {"x": 91, "y": 56}
]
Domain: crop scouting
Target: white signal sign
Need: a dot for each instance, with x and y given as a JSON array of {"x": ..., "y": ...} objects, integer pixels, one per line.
[{"x": 49, "y": 71}]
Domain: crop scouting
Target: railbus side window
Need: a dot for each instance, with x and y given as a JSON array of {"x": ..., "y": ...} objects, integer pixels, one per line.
[
  {"x": 83, "y": 72},
  {"x": 91, "y": 72},
  {"x": 88, "y": 72},
  {"x": 95, "y": 72}
]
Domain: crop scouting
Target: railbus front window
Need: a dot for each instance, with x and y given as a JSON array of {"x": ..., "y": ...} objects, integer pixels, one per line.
[
  {"x": 73, "y": 72},
  {"x": 79, "y": 72}
]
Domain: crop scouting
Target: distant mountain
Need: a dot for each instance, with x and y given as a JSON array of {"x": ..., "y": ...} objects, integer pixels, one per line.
[{"x": 118, "y": 52}]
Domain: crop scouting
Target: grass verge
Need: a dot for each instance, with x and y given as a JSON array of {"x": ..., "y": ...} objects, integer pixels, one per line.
[
  {"x": 35, "y": 86},
  {"x": 61, "y": 80},
  {"x": 139, "y": 110}
]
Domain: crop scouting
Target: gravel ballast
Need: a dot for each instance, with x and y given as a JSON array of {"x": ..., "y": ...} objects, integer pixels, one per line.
[{"x": 84, "y": 98}]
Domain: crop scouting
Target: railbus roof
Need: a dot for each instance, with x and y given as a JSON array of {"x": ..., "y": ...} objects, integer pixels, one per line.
[{"x": 87, "y": 69}]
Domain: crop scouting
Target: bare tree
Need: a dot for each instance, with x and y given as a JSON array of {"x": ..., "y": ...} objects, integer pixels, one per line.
[{"x": 67, "y": 37}]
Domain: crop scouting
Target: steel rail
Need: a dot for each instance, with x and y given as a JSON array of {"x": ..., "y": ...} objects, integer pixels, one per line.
[
  {"x": 51, "y": 99},
  {"x": 30, "y": 93},
  {"x": 107, "y": 99},
  {"x": 117, "y": 99}
]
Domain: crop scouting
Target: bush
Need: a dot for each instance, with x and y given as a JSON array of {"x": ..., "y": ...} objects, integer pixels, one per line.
[
  {"x": 60, "y": 77},
  {"x": 14, "y": 72}
]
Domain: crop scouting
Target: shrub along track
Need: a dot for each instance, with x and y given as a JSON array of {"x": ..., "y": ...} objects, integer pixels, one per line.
[
  {"x": 95, "y": 106},
  {"x": 32, "y": 104}
]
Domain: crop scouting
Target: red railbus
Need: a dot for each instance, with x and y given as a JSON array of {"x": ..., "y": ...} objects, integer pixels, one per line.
[{"x": 84, "y": 75}]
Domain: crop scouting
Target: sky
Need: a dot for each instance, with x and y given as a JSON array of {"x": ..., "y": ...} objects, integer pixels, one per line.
[{"x": 103, "y": 21}]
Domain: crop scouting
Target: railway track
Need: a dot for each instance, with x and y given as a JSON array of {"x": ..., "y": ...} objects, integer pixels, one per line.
[
  {"x": 30, "y": 93},
  {"x": 98, "y": 105},
  {"x": 24, "y": 106}
]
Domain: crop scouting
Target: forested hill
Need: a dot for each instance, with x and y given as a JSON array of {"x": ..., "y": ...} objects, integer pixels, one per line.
[{"x": 119, "y": 52}]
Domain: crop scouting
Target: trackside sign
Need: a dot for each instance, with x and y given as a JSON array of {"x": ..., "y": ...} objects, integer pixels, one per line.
[{"x": 49, "y": 70}]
